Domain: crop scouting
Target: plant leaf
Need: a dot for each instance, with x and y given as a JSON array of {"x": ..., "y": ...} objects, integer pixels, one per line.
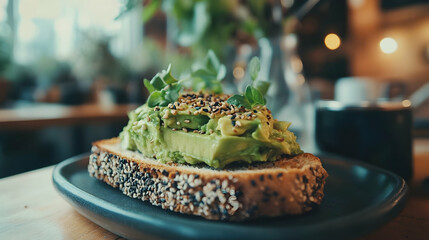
[
  {"x": 221, "y": 72},
  {"x": 149, "y": 86},
  {"x": 254, "y": 96},
  {"x": 254, "y": 68},
  {"x": 262, "y": 86},
  {"x": 207, "y": 76},
  {"x": 155, "y": 99},
  {"x": 167, "y": 77},
  {"x": 248, "y": 93},
  {"x": 172, "y": 93},
  {"x": 212, "y": 63},
  {"x": 239, "y": 101},
  {"x": 157, "y": 82},
  {"x": 258, "y": 98},
  {"x": 204, "y": 74}
]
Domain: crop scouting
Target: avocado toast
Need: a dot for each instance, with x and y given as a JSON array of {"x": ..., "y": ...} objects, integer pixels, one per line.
[
  {"x": 209, "y": 154},
  {"x": 182, "y": 131}
]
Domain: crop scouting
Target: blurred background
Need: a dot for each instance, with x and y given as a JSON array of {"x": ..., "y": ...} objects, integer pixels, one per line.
[{"x": 70, "y": 70}]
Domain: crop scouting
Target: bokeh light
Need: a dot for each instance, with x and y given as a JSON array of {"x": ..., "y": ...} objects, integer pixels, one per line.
[
  {"x": 388, "y": 45},
  {"x": 332, "y": 41}
]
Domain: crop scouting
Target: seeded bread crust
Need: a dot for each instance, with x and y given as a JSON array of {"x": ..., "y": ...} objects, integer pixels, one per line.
[{"x": 287, "y": 186}]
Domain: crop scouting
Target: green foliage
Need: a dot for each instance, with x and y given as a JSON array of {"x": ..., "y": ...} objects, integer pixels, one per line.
[
  {"x": 163, "y": 89},
  {"x": 254, "y": 93},
  {"x": 127, "y": 7},
  {"x": 209, "y": 74},
  {"x": 254, "y": 96},
  {"x": 262, "y": 86},
  {"x": 150, "y": 9},
  {"x": 254, "y": 68},
  {"x": 239, "y": 101},
  {"x": 209, "y": 24}
]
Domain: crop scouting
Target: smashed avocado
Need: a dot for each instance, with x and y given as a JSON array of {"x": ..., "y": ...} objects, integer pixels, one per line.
[{"x": 204, "y": 128}]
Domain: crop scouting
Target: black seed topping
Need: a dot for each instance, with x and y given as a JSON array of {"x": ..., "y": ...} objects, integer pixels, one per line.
[
  {"x": 261, "y": 178},
  {"x": 279, "y": 175},
  {"x": 181, "y": 192},
  {"x": 253, "y": 182},
  {"x": 233, "y": 123},
  {"x": 304, "y": 179}
]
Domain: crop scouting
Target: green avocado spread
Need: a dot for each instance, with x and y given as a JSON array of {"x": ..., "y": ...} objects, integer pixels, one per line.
[{"x": 204, "y": 128}]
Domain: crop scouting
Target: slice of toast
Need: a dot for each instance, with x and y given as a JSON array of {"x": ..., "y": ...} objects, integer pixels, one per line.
[{"x": 287, "y": 186}]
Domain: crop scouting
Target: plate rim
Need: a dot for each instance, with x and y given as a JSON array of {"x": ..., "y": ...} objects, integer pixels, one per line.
[{"x": 372, "y": 214}]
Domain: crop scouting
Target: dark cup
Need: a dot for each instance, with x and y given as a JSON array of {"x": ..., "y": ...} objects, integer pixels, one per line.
[{"x": 376, "y": 133}]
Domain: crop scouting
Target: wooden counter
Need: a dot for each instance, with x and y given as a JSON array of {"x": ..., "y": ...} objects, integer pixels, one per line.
[
  {"x": 44, "y": 115},
  {"x": 32, "y": 209}
]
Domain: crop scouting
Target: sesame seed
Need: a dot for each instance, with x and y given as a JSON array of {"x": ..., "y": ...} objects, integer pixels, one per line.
[
  {"x": 187, "y": 121},
  {"x": 165, "y": 115}
]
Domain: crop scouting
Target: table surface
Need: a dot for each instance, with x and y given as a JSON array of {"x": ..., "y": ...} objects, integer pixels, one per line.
[
  {"x": 31, "y": 208},
  {"x": 42, "y": 115}
]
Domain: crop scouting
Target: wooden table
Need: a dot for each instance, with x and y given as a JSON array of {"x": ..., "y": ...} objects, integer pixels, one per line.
[
  {"x": 31, "y": 209},
  {"x": 43, "y": 115}
]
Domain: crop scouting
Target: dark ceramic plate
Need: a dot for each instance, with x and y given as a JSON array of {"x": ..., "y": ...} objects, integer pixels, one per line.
[{"x": 358, "y": 199}]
